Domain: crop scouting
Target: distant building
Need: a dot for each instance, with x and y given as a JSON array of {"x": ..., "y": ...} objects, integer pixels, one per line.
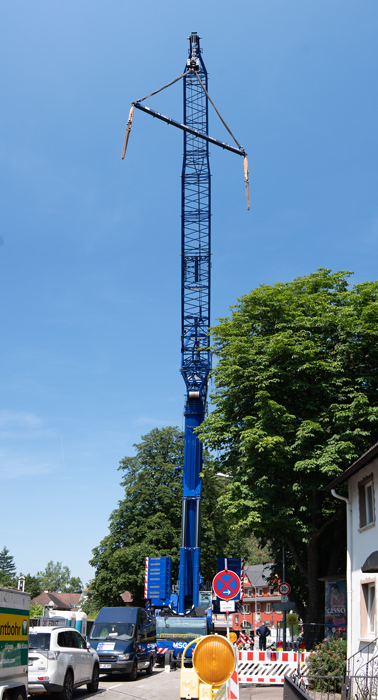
[
  {"x": 61, "y": 601},
  {"x": 127, "y": 599},
  {"x": 362, "y": 549},
  {"x": 257, "y": 607}
]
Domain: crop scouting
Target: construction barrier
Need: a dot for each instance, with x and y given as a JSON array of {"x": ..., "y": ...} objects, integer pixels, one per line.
[
  {"x": 269, "y": 667},
  {"x": 232, "y": 686}
]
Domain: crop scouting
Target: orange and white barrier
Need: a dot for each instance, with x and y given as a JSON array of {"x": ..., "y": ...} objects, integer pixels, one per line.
[
  {"x": 268, "y": 667},
  {"x": 232, "y": 686}
]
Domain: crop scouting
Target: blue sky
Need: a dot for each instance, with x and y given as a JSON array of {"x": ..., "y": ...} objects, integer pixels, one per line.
[{"x": 89, "y": 254}]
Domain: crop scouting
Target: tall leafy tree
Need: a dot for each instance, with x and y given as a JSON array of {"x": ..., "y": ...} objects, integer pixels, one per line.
[
  {"x": 33, "y": 585},
  {"x": 296, "y": 401},
  {"x": 147, "y": 521},
  {"x": 57, "y": 577},
  {"x": 7, "y": 569}
]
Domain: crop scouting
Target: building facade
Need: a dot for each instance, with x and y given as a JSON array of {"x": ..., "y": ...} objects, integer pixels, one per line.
[
  {"x": 362, "y": 549},
  {"x": 257, "y": 607}
]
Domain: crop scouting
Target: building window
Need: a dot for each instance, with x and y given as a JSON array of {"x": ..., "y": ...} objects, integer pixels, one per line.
[
  {"x": 271, "y": 591},
  {"x": 368, "y": 610},
  {"x": 366, "y": 501},
  {"x": 258, "y": 607},
  {"x": 268, "y": 608},
  {"x": 260, "y": 591},
  {"x": 236, "y": 619},
  {"x": 250, "y": 592},
  {"x": 258, "y": 617},
  {"x": 245, "y": 608}
]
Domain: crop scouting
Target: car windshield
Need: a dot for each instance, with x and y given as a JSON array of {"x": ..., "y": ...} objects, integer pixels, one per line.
[
  {"x": 114, "y": 631},
  {"x": 39, "y": 640}
]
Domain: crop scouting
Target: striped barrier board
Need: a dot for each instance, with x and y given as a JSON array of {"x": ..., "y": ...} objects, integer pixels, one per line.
[
  {"x": 268, "y": 667},
  {"x": 161, "y": 651},
  {"x": 145, "y": 576},
  {"x": 232, "y": 687}
]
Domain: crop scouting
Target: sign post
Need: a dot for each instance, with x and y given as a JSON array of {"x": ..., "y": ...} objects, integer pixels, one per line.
[{"x": 226, "y": 585}]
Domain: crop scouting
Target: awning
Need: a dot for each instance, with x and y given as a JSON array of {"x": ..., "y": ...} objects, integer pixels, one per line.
[{"x": 371, "y": 564}]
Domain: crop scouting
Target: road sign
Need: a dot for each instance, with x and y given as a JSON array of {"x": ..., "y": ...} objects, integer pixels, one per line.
[
  {"x": 226, "y": 584},
  {"x": 283, "y": 606},
  {"x": 284, "y": 599},
  {"x": 227, "y": 606},
  {"x": 291, "y": 620},
  {"x": 284, "y": 588}
]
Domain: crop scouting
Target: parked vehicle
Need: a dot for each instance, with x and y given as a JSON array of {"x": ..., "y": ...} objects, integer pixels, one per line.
[
  {"x": 60, "y": 660},
  {"x": 125, "y": 640},
  {"x": 14, "y": 628}
]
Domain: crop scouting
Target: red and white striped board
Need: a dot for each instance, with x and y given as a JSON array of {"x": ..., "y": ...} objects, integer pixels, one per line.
[
  {"x": 244, "y": 638},
  {"x": 145, "y": 577},
  {"x": 269, "y": 656},
  {"x": 268, "y": 667},
  {"x": 232, "y": 686},
  {"x": 161, "y": 651}
]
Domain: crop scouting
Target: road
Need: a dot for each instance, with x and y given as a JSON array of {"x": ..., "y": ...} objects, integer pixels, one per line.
[
  {"x": 154, "y": 687},
  {"x": 163, "y": 686}
]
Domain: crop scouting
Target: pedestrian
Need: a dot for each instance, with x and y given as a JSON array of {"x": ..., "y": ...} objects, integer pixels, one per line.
[{"x": 263, "y": 632}]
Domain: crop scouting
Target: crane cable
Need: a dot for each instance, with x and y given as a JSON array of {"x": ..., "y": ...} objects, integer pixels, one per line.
[
  {"x": 246, "y": 173},
  {"x": 131, "y": 115}
]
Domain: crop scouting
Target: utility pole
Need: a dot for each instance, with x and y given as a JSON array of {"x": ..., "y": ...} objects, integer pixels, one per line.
[{"x": 284, "y": 611}]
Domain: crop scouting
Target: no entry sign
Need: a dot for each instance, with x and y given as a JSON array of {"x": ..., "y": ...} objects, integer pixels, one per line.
[{"x": 226, "y": 584}]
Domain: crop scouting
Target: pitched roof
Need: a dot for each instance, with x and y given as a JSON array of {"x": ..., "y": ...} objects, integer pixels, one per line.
[
  {"x": 355, "y": 467},
  {"x": 62, "y": 601},
  {"x": 259, "y": 574},
  {"x": 127, "y": 597}
]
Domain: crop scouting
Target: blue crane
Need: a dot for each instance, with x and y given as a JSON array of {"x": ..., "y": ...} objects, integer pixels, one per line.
[{"x": 195, "y": 298}]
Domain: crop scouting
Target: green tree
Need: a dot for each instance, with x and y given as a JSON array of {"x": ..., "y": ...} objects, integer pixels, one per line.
[
  {"x": 147, "y": 521},
  {"x": 33, "y": 585},
  {"x": 7, "y": 569},
  {"x": 36, "y": 611},
  {"x": 296, "y": 402},
  {"x": 57, "y": 577}
]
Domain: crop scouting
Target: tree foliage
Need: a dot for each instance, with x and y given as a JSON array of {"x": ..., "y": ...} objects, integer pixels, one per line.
[
  {"x": 57, "y": 577},
  {"x": 296, "y": 402},
  {"x": 147, "y": 521},
  {"x": 36, "y": 611},
  {"x": 7, "y": 569},
  {"x": 33, "y": 585}
]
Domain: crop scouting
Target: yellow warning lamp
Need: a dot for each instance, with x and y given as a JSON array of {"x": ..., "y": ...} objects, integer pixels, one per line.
[
  {"x": 214, "y": 660},
  {"x": 233, "y": 637},
  {"x": 213, "y": 664}
]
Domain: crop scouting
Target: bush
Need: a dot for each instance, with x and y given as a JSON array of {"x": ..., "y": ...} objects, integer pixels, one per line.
[{"x": 327, "y": 659}]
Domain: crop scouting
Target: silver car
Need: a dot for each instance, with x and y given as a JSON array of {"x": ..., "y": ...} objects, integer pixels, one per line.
[{"x": 59, "y": 661}]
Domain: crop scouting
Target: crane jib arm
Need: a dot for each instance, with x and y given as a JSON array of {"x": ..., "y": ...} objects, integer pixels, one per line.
[{"x": 184, "y": 127}]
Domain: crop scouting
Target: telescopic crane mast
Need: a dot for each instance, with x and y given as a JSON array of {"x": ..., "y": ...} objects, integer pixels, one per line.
[
  {"x": 195, "y": 296},
  {"x": 195, "y": 313}
]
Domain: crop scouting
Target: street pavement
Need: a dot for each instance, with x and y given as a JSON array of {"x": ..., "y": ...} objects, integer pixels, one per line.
[{"x": 164, "y": 686}]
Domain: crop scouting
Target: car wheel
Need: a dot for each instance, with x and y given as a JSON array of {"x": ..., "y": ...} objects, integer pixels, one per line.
[
  {"x": 134, "y": 672},
  {"x": 6, "y": 696},
  {"x": 67, "y": 691},
  {"x": 92, "y": 687},
  {"x": 150, "y": 667}
]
